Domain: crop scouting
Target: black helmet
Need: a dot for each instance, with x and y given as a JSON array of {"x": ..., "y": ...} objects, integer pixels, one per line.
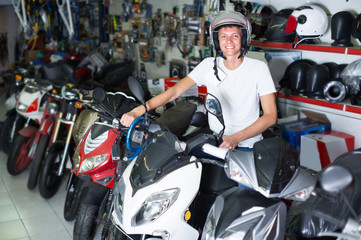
[
  {"x": 285, "y": 82},
  {"x": 316, "y": 78},
  {"x": 282, "y": 28},
  {"x": 298, "y": 78},
  {"x": 260, "y": 17}
]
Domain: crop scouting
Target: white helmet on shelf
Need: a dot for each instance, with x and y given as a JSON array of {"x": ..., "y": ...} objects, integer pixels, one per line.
[{"x": 312, "y": 21}]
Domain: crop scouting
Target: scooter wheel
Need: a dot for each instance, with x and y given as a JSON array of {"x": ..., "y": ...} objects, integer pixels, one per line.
[
  {"x": 39, "y": 153},
  {"x": 85, "y": 222},
  {"x": 72, "y": 198},
  {"x": 50, "y": 181},
  {"x": 18, "y": 159}
]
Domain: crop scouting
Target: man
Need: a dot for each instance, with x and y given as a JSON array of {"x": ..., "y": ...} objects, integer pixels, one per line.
[{"x": 239, "y": 83}]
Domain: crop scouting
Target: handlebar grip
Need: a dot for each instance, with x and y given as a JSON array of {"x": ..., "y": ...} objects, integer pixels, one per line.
[
  {"x": 215, "y": 151},
  {"x": 102, "y": 115}
]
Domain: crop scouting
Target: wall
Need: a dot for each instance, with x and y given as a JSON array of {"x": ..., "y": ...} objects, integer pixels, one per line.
[
  {"x": 10, "y": 25},
  {"x": 330, "y": 7}
]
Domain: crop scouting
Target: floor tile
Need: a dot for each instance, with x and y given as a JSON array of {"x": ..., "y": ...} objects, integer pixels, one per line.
[
  {"x": 8, "y": 213},
  {"x": 5, "y": 199},
  {"x": 43, "y": 225},
  {"x": 13, "y": 230}
]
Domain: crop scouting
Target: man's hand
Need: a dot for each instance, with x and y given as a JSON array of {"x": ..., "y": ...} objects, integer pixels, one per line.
[
  {"x": 230, "y": 142},
  {"x": 127, "y": 118}
]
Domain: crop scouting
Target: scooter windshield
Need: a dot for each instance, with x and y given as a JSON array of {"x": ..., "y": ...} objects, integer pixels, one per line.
[{"x": 162, "y": 154}]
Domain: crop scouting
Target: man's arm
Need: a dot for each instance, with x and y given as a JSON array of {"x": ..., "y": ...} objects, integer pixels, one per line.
[
  {"x": 159, "y": 100},
  {"x": 269, "y": 118}
]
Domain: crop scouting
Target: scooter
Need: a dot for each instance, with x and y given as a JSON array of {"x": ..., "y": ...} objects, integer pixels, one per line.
[
  {"x": 162, "y": 193},
  {"x": 93, "y": 160},
  {"x": 30, "y": 104},
  {"x": 334, "y": 180},
  {"x": 14, "y": 121},
  {"x": 334, "y": 204},
  {"x": 265, "y": 175}
]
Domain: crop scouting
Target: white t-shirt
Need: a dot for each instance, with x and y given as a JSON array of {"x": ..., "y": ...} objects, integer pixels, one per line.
[{"x": 238, "y": 91}]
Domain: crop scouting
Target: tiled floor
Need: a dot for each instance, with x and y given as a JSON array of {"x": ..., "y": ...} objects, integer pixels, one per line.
[{"x": 24, "y": 214}]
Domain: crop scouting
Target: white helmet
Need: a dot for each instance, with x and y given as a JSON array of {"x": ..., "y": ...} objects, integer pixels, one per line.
[
  {"x": 312, "y": 21},
  {"x": 224, "y": 18}
]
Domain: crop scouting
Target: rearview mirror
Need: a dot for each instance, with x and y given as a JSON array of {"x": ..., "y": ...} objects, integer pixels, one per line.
[{"x": 213, "y": 106}]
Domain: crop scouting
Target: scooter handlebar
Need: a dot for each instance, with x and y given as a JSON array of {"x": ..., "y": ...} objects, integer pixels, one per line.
[{"x": 215, "y": 151}]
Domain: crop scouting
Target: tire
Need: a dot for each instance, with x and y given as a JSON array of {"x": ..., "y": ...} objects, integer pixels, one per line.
[
  {"x": 39, "y": 153},
  {"x": 85, "y": 222},
  {"x": 18, "y": 159},
  {"x": 5, "y": 136},
  {"x": 49, "y": 181},
  {"x": 115, "y": 234},
  {"x": 72, "y": 199}
]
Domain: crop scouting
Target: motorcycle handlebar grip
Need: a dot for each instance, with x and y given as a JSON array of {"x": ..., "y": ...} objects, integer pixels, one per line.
[
  {"x": 215, "y": 151},
  {"x": 102, "y": 115}
]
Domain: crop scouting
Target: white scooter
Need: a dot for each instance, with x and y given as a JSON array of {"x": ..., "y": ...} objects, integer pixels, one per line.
[{"x": 160, "y": 192}]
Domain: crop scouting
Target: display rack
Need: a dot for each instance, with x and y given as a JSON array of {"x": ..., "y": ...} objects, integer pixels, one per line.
[
  {"x": 342, "y": 106},
  {"x": 324, "y": 47}
]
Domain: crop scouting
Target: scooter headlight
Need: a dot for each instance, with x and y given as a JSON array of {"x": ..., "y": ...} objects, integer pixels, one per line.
[
  {"x": 234, "y": 232},
  {"x": 155, "y": 205},
  {"x": 235, "y": 173},
  {"x": 300, "y": 195},
  {"x": 92, "y": 162}
]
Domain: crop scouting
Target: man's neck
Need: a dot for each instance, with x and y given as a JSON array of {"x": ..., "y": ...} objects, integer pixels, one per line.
[{"x": 231, "y": 63}]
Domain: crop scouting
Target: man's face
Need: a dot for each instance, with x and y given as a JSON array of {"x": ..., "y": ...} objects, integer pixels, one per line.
[{"x": 230, "y": 40}]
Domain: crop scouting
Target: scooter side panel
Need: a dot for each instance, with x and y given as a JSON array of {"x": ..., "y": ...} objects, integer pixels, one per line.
[{"x": 187, "y": 179}]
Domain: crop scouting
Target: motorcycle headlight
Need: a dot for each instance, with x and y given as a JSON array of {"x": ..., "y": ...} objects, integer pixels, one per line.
[
  {"x": 235, "y": 173},
  {"x": 52, "y": 108},
  {"x": 155, "y": 205},
  {"x": 120, "y": 191},
  {"x": 92, "y": 162},
  {"x": 22, "y": 107}
]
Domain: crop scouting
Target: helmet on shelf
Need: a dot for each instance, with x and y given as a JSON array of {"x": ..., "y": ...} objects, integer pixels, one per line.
[
  {"x": 260, "y": 17},
  {"x": 316, "y": 78},
  {"x": 312, "y": 22},
  {"x": 351, "y": 76},
  {"x": 282, "y": 28},
  {"x": 225, "y": 18}
]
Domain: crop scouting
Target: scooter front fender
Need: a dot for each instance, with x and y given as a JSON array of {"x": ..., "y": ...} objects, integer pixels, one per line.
[
  {"x": 46, "y": 126},
  {"x": 28, "y": 131}
]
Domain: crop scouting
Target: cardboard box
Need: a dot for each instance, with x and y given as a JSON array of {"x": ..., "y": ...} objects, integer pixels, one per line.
[
  {"x": 318, "y": 150},
  {"x": 313, "y": 123}
]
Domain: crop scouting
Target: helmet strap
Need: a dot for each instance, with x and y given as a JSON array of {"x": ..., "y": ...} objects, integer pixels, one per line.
[{"x": 215, "y": 68}]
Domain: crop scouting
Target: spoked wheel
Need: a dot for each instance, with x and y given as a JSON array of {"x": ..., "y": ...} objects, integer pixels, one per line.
[
  {"x": 72, "y": 199},
  {"x": 50, "y": 181},
  {"x": 35, "y": 168},
  {"x": 18, "y": 158},
  {"x": 85, "y": 222},
  {"x": 9, "y": 131}
]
